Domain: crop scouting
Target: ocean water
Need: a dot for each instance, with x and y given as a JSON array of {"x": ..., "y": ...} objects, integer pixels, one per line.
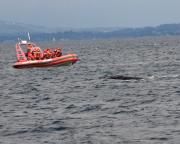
[{"x": 122, "y": 91}]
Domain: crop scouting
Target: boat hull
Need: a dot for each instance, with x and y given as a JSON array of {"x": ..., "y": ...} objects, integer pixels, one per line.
[{"x": 57, "y": 61}]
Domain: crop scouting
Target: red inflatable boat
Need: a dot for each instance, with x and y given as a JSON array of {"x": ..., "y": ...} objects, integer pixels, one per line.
[{"x": 37, "y": 59}]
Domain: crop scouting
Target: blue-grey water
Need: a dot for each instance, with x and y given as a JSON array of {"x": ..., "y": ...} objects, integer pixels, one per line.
[{"x": 98, "y": 100}]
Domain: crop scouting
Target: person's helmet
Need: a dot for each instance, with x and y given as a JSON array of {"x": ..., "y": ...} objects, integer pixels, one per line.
[{"x": 58, "y": 49}]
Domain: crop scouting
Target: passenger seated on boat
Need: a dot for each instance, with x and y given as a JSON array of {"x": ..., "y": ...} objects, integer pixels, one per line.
[
  {"x": 37, "y": 53},
  {"x": 29, "y": 53},
  {"x": 29, "y": 50},
  {"x": 30, "y": 57},
  {"x": 57, "y": 52},
  {"x": 47, "y": 54}
]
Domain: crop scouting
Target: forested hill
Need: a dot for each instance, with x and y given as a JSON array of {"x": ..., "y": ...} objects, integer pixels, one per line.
[{"x": 12, "y": 31}]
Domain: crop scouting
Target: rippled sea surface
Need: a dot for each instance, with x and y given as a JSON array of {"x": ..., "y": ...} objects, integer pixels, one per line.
[{"x": 98, "y": 100}]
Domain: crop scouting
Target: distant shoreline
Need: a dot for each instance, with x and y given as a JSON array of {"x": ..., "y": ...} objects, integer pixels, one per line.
[{"x": 13, "y": 32}]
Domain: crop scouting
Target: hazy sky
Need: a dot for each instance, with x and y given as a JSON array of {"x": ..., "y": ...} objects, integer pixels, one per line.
[{"x": 91, "y": 13}]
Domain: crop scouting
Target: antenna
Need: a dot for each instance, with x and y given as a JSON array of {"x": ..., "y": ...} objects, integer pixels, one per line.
[
  {"x": 19, "y": 40},
  {"x": 29, "y": 37}
]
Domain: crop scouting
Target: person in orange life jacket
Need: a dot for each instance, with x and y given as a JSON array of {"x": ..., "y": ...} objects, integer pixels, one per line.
[
  {"x": 47, "y": 54},
  {"x": 37, "y": 53},
  {"x": 50, "y": 53},
  {"x": 54, "y": 53},
  {"x": 29, "y": 52},
  {"x": 31, "y": 57},
  {"x": 57, "y": 52}
]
